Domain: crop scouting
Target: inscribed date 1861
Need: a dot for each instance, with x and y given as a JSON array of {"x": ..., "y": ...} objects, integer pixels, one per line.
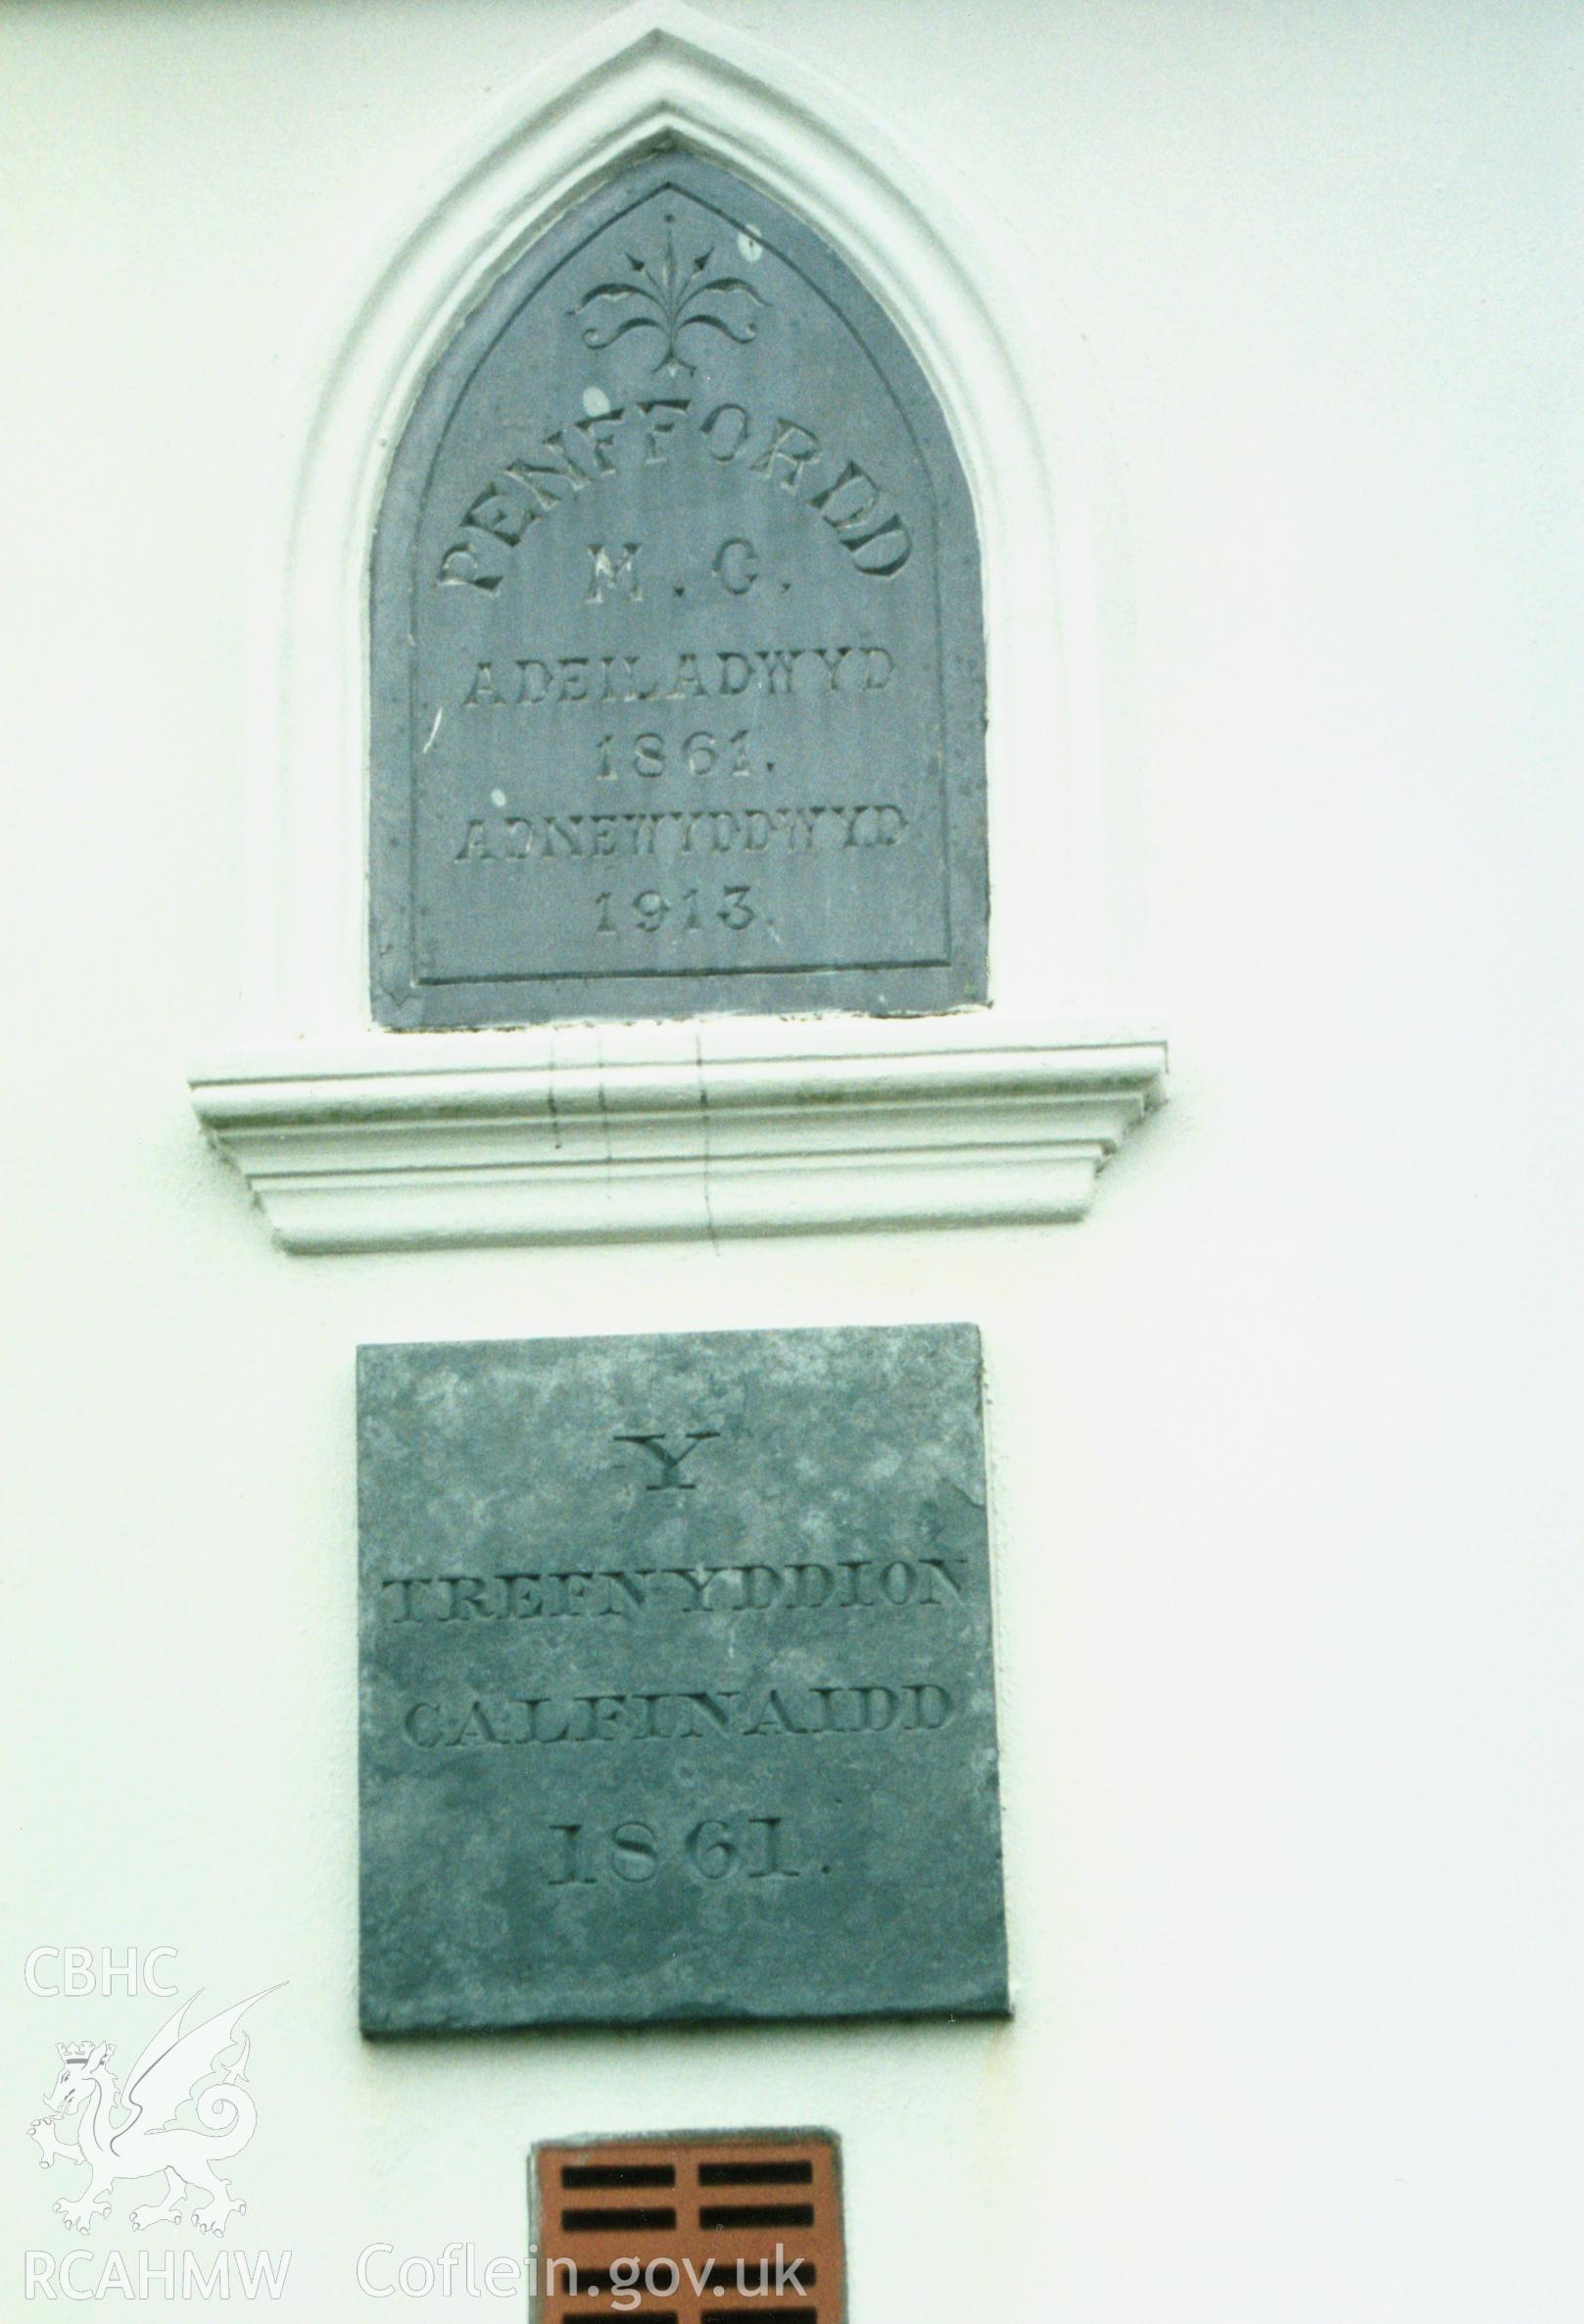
[
  {"x": 677, "y": 1690},
  {"x": 677, "y": 660}
]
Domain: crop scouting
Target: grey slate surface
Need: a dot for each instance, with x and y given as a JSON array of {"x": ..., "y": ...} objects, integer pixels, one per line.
[
  {"x": 677, "y": 1692},
  {"x": 677, "y": 642}
]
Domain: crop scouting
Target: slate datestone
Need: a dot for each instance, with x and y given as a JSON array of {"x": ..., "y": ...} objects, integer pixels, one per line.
[
  {"x": 676, "y": 1678},
  {"x": 677, "y": 642}
]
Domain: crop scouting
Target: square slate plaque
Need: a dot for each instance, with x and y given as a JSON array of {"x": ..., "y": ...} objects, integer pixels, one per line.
[{"x": 677, "y": 1690}]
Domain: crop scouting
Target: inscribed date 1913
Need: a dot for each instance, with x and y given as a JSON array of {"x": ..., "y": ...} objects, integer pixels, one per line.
[{"x": 677, "y": 644}]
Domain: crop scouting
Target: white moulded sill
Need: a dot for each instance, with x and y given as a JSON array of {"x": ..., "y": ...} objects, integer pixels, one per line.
[{"x": 724, "y": 1126}]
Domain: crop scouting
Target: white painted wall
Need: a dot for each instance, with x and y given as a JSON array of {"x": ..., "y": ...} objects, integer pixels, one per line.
[{"x": 1283, "y": 1435}]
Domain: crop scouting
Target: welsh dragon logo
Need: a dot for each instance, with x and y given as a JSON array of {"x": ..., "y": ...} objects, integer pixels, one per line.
[{"x": 134, "y": 2133}]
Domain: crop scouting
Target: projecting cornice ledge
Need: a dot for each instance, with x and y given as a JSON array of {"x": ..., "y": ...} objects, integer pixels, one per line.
[{"x": 407, "y": 1140}]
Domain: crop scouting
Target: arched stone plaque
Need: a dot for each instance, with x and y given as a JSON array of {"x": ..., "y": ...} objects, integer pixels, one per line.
[{"x": 677, "y": 642}]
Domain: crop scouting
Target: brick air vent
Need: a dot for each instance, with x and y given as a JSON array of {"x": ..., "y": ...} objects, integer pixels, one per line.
[{"x": 741, "y": 2229}]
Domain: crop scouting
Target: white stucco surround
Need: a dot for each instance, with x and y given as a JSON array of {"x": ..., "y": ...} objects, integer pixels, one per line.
[
  {"x": 354, "y": 1138},
  {"x": 1287, "y": 1499}
]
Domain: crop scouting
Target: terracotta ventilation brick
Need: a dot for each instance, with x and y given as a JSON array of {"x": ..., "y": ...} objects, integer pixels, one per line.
[{"x": 741, "y": 2229}]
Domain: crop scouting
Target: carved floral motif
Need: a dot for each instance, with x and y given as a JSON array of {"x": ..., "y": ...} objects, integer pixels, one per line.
[{"x": 670, "y": 296}]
